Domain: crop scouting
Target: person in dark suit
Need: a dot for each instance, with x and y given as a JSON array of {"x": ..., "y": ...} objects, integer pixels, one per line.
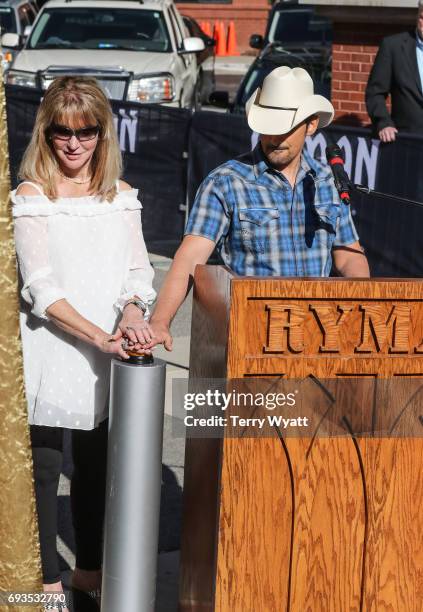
[{"x": 398, "y": 71}]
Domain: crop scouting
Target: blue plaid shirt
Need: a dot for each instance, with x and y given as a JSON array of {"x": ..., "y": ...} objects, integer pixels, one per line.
[{"x": 263, "y": 227}]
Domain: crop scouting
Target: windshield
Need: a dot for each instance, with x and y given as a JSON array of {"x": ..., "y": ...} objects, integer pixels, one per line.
[
  {"x": 297, "y": 26},
  {"x": 7, "y": 20},
  {"x": 98, "y": 28}
]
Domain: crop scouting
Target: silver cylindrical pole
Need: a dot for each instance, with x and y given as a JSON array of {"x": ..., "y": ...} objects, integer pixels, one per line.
[{"x": 134, "y": 465}]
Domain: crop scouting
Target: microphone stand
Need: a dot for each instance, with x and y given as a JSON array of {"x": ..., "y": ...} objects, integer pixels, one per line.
[{"x": 388, "y": 196}]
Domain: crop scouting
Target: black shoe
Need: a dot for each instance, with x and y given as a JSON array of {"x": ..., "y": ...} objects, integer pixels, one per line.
[{"x": 84, "y": 601}]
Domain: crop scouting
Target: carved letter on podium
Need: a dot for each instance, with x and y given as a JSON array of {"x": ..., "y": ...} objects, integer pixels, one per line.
[
  {"x": 328, "y": 321},
  {"x": 378, "y": 329},
  {"x": 285, "y": 329}
]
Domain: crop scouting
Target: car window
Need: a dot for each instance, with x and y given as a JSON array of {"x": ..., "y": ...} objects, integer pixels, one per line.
[
  {"x": 298, "y": 26},
  {"x": 98, "y": 28},
  {"x": 193, "y": 28},
  {"x": 189, "y": 26},
  {"x": 32, "y": 12},
  {"x": 26, "y": 16},
  {"x": 7, "y": 20}
]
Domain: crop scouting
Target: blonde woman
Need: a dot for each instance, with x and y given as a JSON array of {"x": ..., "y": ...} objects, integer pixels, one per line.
[{"x": 86, "y": 287}]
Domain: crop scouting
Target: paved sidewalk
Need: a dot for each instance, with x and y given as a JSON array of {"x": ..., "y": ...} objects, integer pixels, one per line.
[{"x": 233, "y": 64}]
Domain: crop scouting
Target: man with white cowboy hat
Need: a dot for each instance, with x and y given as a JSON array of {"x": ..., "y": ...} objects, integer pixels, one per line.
[
  {"x": 274, "y": 211},
  {"x": 286, "y": 100}
]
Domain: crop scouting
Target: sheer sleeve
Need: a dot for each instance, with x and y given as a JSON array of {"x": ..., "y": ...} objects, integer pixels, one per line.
[
  {"x": 140, "y": 274},
  {"x": 40, "y": 289}
]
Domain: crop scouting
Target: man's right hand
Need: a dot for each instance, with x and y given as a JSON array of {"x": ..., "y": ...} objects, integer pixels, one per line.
[
  {"x": 162, "y": 335},
  {"x": 388, "y": 134}
]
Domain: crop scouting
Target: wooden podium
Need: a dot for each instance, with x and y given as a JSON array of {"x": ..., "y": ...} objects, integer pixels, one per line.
[{"x": 300, "y": 524}]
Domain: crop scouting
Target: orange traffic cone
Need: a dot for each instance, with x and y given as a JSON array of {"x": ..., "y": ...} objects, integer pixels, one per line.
[
  {"x": 221, "y": 40},
  {"x": 207, "y": 28},
  {"x": 225, "y": 36},
  {"x": 215, "y": 34},
  {"x": 232, "y": 48}
]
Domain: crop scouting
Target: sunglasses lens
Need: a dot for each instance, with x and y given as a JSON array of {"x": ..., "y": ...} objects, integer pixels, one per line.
[
  {"x": 87, "y": 133},
  {"x": 61, "y": 132}
]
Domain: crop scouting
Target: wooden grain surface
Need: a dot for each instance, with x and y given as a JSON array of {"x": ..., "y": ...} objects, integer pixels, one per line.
[
  {"x": 314, "y": 523},
  {"x": 254, "y": 512},
  {"x": 393, "y": 578}
]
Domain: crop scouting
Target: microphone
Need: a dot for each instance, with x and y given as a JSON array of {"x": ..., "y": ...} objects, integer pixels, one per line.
[{"x": 335, "y": 160}]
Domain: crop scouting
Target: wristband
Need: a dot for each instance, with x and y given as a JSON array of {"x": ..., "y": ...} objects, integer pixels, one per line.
[{"x": 139, "y": 304}]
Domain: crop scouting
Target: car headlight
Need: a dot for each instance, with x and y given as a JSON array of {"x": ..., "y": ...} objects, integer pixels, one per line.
[
  {"x": 24, "y": 79},
  {"x": 152, "y": 89}
]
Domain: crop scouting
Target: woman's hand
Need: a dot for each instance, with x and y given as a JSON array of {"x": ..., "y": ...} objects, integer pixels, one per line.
[
  {"x": 135, "y": 328},
  {"x": 113, "y": 344}
]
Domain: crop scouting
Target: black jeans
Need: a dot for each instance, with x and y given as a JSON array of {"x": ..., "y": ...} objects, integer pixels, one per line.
[{"x": 89, "y": 454}]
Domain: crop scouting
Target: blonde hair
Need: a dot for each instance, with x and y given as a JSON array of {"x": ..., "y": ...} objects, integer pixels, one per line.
[{"x": 70, "y": 99}]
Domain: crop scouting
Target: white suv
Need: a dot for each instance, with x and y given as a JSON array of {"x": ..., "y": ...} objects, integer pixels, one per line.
[{"x": 138, "y": 51}]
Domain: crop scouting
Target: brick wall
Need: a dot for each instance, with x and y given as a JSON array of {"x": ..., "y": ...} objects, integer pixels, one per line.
[
  {"x": 354, "y": 49},
  {"x": 249, "y": 17}
]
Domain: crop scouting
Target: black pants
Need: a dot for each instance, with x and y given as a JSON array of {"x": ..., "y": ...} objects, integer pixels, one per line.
[{"x": 89, "y": 453}]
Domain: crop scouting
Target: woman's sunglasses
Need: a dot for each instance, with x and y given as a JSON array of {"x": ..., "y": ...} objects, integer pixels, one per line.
[{"x": 61, "y": 132}]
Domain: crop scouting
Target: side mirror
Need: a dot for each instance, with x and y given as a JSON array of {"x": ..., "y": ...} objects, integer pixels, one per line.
[
  {"x": 11, "y": 40},
  {"x": 192, "y": 45},
  {"x": 219, "y": 99},
  {"x": 256, "y": 41}
]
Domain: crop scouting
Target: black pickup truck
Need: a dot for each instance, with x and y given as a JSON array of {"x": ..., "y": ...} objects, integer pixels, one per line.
[{"x": 295, "y": 36}]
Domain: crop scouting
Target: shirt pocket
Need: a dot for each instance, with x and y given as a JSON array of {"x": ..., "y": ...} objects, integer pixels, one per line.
[
  {"x": 320, "y": 229},
  {"x": 256, "y": 226}
]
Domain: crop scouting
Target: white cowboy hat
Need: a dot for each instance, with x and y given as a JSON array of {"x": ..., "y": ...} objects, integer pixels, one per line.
[{"x": 286, "y": 100}]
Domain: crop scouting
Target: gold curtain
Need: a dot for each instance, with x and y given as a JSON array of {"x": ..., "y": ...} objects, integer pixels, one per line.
[{"x": 20, "y": 567}]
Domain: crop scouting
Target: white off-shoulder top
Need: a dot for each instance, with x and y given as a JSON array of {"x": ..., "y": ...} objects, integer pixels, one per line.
[{"x": 93, "y": 254}]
